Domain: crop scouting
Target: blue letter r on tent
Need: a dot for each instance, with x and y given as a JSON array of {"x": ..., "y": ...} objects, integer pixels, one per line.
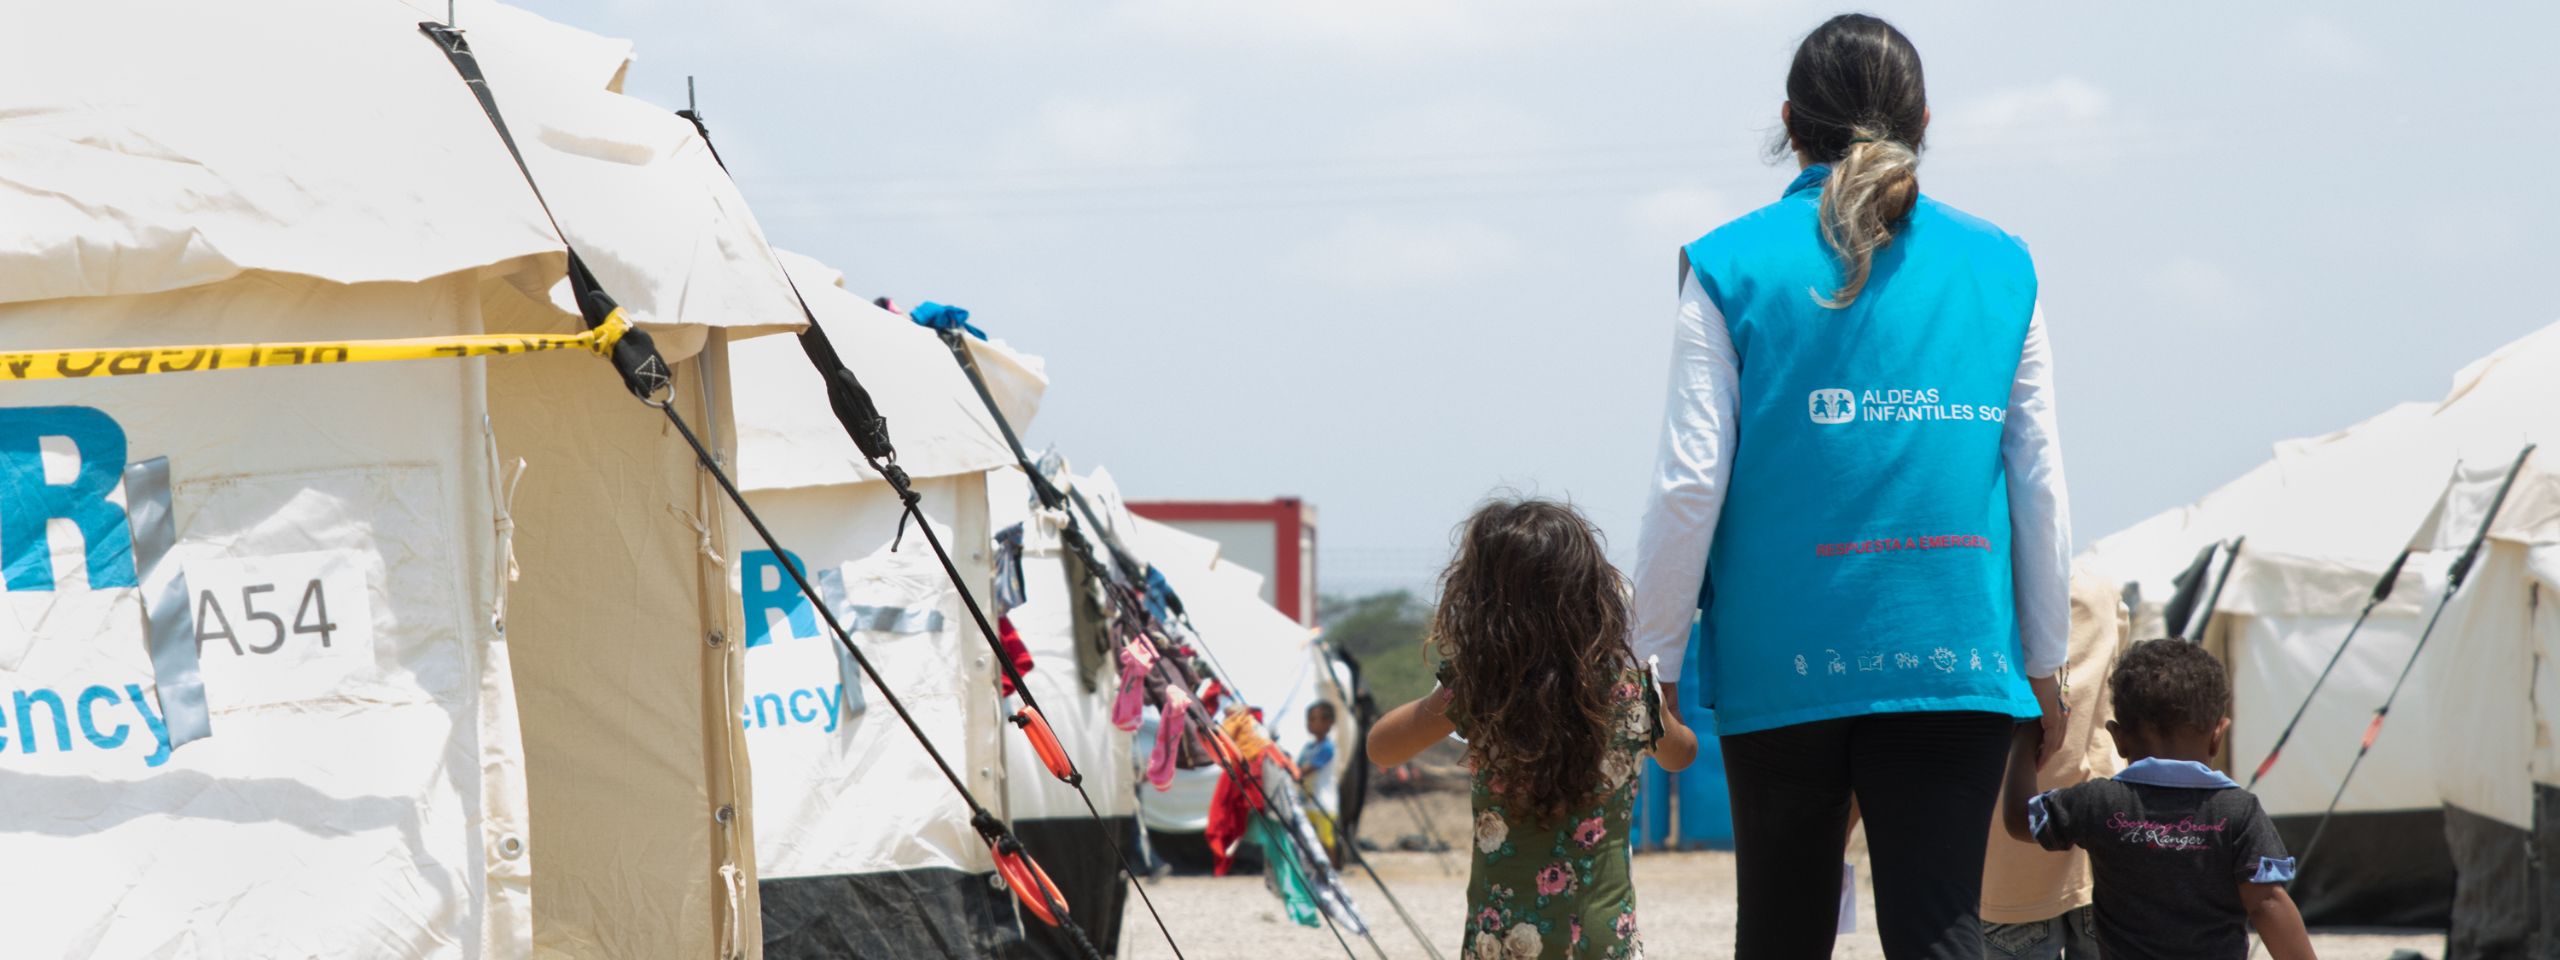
[{"x": 28, "y": 501}]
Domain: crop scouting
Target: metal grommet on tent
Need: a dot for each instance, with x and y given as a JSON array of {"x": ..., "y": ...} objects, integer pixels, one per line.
[
  {"x": 511, "y": 846},
  {"x": 716, "y": 638},
  {"x": 725, "y": 814}
]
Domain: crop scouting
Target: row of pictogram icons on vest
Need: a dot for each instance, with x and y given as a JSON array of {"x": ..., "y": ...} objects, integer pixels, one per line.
[{"x": 1942, "y": 660}]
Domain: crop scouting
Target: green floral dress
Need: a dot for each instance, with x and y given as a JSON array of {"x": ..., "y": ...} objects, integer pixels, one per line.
[{"x": 1552, "y": 891}]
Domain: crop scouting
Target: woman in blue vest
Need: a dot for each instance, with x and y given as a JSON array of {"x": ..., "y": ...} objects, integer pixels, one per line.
[{"x": 1860, "y": 490}]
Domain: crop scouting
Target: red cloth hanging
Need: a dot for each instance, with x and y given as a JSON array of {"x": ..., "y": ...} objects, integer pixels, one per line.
[
  {"x": 1231, "y": 808},
  {"x": 1015, "y": 651}
]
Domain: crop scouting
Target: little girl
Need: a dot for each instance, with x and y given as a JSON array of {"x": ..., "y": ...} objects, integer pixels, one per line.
[{"x": 1538, "y": 678}]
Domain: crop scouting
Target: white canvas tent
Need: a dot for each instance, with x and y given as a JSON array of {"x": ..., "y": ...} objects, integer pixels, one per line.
[
  {"x": 447, "y": 703},
  {"x": 2489, "y": 673},
  {"x": 2324, "y": 520},
  {"x": 865, "y": 849}
]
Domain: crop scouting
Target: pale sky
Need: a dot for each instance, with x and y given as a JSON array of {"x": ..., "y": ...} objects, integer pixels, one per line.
[{"x": 1388, "y": 255}]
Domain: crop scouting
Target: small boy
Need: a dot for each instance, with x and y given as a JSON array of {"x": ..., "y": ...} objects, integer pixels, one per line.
[
  {"x": 1318, "y": 754},
  {"x": 1321, "y": 776},
  {"x": 2186, "y": 861}
]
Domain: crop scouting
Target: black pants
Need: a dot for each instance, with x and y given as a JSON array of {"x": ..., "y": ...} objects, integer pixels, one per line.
[{"x": 1926, "y": 784}]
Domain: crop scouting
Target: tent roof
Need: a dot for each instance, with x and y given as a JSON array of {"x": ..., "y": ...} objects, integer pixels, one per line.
[
  {"x": 789, "y": 437},
  {"x": 2287, "y": 508},
  {"x": 638, "y": 191},
  {"x": 2327, "y": 514},
  {"x": 2530, "y": 515},
  {"x": 2499, "y": 404},
  {"x": 226, "y": 157}
]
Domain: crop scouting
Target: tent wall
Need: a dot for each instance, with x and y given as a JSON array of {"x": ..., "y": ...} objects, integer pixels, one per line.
[
  {"x": 864, "y": 848},
  {"x": 637, "y": 773},
  {"x": 362, "y": 790},
  {"x": 2483, "y": 676},
  {"x": 2384, "y": 860}
]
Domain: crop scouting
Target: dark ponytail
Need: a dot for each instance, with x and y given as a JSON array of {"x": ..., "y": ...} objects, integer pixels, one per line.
[{"x": 1856, "y": 101}]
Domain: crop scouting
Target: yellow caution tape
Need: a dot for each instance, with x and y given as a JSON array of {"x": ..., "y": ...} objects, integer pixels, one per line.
[{"x": 140, "y": 361}]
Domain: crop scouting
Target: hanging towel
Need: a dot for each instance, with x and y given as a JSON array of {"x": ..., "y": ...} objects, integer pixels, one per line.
[
  {"x": 1137, "y": 661},
  {"x": 1009, "y": 591},
  {"x": 1230, "y": 817},
  {"x": 1014, "y": 650},
  {"x": 1173, "y": 739},
  {"x": 1286, "y": 877}
]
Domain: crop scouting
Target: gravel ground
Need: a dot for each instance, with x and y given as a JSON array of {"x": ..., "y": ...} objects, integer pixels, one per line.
[{"x": 1687, "y": 907}]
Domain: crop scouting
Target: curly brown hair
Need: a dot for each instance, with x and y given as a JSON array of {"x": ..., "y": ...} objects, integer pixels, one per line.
[
  {"x": 2168, "y": 686},
  {"x": 1533, "y": 621}
]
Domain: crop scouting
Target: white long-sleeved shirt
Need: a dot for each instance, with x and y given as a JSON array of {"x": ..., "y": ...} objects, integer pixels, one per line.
[{"x": 1695, "y": 466}]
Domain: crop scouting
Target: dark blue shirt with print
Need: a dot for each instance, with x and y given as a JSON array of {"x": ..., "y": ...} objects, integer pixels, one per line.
[{"x": 2170, "y": 842}]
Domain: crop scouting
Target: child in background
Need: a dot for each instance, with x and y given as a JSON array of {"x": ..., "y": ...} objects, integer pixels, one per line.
[
  {"x": 1537, "y": 676},
  {"x": 1318, "y": 755},
  {"x": 2037, "y": 905},
  {"x": 2186, "y": 860},
  {"x": 1321, "y": 776}
]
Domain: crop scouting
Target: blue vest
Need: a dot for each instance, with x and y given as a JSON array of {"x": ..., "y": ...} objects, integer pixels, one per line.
[{"x": 1862, "y": 562}]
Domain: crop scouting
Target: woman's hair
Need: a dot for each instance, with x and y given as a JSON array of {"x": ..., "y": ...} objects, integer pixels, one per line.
[
  {"x": 2169, "y": 686},
  {"x": 1533, "y": 620},
  {"x": 1855, "y": 100}
]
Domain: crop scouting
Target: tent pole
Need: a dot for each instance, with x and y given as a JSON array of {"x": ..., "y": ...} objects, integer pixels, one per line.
[
  {"x": 644, "y": 372},
  {"x": 2453, "y": 583},
  {"x": 869, "y": 432},
  {"x": 2381, "y": 592},
  {"x": 2203, "y": 619},
  {"x": 1132, "y": 596}
]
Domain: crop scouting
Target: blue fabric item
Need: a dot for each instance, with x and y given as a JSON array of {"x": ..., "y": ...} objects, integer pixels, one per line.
[
  {"x": 943, "y": 316},
  {"x": 1706, "y": 802},
  {"x": 2037, "y": 816},
  {"x": 1861, "y": 564},
  {"x": 1315, "y": 756},
  {"x": 2274, "y": 870},
  {"x": 1159, "y": 594},
  {"x": 2153, "y": 771}
]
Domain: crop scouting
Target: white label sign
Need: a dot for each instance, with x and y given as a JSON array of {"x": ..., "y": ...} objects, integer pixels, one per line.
[{"x": 279, "y": 628}]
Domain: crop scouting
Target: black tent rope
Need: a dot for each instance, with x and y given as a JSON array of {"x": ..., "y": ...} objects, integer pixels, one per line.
[
  {"x": 646, "y": 375},
  {"x": 993, "y": 830},
  {"x": 2453, "y": 583},
  {"x": 1128, "y": 601},
  {"x": 1353, "y": 849},
  {"x": 869, "y": 430},
  {"x": 1127, "y": 592},
  {"x": 1123, "y": 584},
  {"x": 1124, "y": 599},
  {"x": 1133, "y": 569}
]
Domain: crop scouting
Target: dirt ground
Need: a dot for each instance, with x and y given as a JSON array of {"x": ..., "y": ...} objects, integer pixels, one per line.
[{"x": 1687, "y": 907}]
